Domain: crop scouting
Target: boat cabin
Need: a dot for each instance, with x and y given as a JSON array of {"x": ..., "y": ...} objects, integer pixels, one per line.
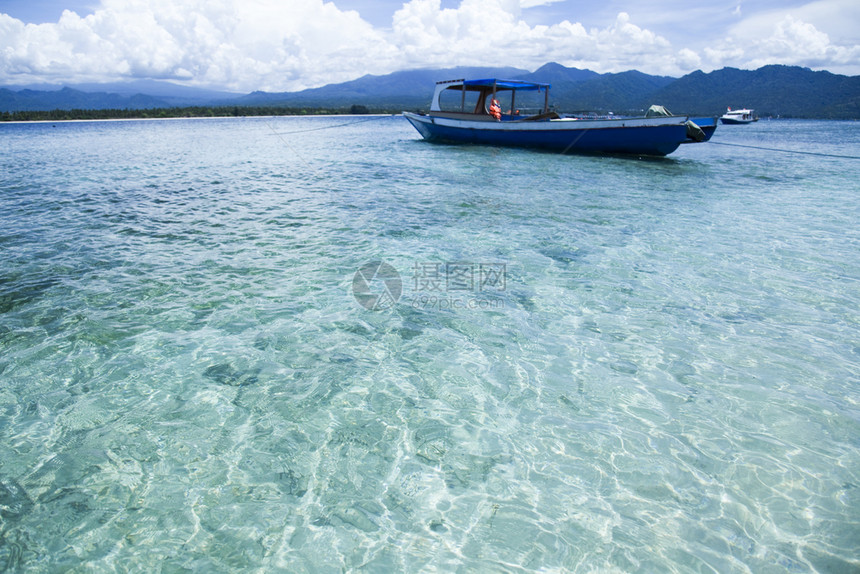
[{"x": 518, "y": 100}]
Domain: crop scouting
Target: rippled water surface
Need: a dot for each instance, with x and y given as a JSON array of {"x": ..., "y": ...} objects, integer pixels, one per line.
[{"x": 564, "y": 364}]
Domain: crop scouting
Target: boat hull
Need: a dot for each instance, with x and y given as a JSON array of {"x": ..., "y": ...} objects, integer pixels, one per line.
[
  {"x": 732, "y": 121},
  {"x": 639, "y": 136}
]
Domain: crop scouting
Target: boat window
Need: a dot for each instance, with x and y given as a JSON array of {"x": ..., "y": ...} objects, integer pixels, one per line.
[
  {"x": 450, "y": 100},
  {"x": 521, "y": 102},
  {"x": 513, "y": 103}
]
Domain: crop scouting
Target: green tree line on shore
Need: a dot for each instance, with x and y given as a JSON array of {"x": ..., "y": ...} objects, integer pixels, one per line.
[{"x": 181, "y": 112}]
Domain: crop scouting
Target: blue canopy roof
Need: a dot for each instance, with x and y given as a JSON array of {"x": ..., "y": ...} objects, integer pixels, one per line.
[{"x": 507, "y": 84}]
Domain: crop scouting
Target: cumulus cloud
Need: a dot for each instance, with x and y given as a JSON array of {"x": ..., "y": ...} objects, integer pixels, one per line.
[
  {"x": 276, "y": 45},
  {"x": 484, "y": 32},
  {"x": 240, "y": 44},
  {"x": 838, "y": 18},
  {"x": 788, "y": 41},
  {"x": 290, "y": 45}
]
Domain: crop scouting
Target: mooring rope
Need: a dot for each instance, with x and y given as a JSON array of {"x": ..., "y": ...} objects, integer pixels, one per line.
[
  {"x": 788, "y": 150},
  {"x": 280, "y": 135},
  {"x": 335, "y": 125}
]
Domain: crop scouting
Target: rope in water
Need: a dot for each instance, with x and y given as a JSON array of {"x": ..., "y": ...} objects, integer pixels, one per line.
[
  {"x": 280, "y": 135},
  {"x": 335, "y": 125},
  {"x": 787, "y": 150}
]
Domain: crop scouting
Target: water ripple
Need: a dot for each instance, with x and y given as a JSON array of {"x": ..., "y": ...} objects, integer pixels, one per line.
[{"x": 666, "y": 382}]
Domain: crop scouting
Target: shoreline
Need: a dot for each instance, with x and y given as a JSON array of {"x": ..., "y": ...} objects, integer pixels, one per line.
[
  {"x": 330, "y": 115},
  {"x": 177, "y": 118}
]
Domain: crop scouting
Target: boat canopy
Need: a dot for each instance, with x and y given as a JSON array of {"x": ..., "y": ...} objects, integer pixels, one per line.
[
  {"x": 487, "y": 87},
  {"x": 506, "y": 84}
]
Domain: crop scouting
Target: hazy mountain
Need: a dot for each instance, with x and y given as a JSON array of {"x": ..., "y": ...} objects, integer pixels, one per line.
[
  {"x": 607, "y": 92},
  {"x": 560, "y": 76},
  {"x": 139, "y": 94},
  {"x": 787, "y": 91},
  {"x": 772, "y": 91},
  {"x": 157, "y": 88},
  {"x": 407, "y": 89},
  {"x": 69, "y": 99}
]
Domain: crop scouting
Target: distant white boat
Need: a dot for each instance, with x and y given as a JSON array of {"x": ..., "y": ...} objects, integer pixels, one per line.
[{"x": 743, "y": 116}]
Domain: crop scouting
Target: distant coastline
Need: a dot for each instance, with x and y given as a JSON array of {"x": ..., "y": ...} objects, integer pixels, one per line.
[
  {"x": 195, "y": 112},
  {"x": 776, "y": 91},
  {"x": 177, "y": 118}
]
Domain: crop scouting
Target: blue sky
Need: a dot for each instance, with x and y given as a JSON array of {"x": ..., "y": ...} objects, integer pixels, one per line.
[{"x": 245, "y": 45}]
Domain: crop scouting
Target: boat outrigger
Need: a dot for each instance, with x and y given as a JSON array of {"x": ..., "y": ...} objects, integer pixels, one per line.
[{"x": 469, "y": 111}]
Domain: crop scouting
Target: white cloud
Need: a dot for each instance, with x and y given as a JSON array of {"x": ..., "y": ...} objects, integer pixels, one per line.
[
  {"x": 241, "y": 44},
  {"x": 688, "y": 59},
  {"x": 788, "y": 40},
  {"x": 840, "y": 19},
  {"x": 289, "y": 45},
  {"x": 483, "y": 32},
  {"x": 535, "y": 3}
]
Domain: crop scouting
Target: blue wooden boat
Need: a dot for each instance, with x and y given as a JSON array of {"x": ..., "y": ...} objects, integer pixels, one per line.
[{"x": 470, "y": 111}]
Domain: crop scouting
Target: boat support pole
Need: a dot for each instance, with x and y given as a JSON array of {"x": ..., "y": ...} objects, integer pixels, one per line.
[{"x": 494, "y": 90}]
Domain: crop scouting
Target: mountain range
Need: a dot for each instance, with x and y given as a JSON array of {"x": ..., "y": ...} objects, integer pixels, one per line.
[{"x": 782, "y": 91}]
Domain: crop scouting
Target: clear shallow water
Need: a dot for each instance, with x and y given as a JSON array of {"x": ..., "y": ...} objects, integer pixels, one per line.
[{"x": 654, "y": 368}]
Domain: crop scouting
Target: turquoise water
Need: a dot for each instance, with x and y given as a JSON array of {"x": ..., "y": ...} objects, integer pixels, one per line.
[{"x": 565, "y": 364}]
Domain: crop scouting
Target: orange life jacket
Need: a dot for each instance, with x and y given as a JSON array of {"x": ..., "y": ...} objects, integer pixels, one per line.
[{"x": 496, "y": 109}]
